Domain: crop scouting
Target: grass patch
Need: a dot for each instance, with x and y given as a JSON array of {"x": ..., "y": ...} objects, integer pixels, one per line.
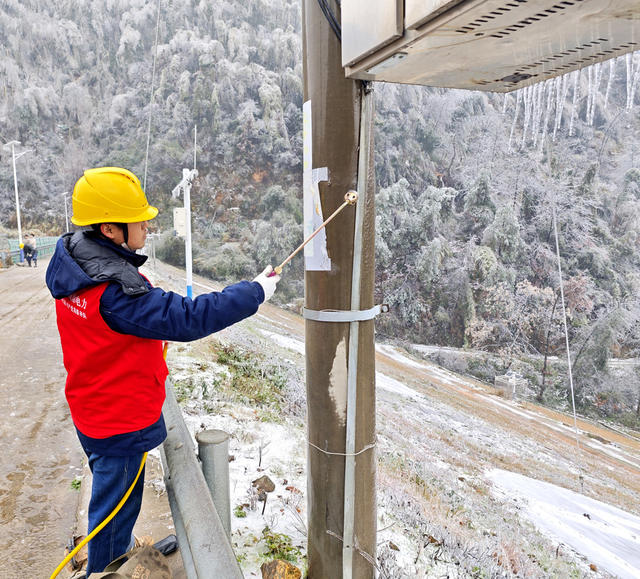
[
  {"x": 252, "y": 379},
  {"x": 279, "y": 546}
]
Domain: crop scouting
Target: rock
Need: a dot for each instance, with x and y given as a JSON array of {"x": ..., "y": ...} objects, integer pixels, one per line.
[
  {"x": 264, "y": 483},
  {"x": 279, "y": 569}
]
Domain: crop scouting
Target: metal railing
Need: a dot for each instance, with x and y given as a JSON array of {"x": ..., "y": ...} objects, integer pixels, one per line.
[
  {"x": 45, "y": 246},
  {"x": 204, "y": 544}
]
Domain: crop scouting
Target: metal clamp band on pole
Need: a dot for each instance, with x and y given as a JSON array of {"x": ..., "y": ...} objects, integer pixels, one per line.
[{"x": 344, "y": 315}]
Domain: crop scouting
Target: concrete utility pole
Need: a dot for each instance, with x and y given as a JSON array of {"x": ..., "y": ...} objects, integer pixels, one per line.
[{"x": 333, "y": 550}]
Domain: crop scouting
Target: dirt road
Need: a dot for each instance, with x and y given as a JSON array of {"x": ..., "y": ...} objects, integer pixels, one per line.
[{"x": 40, "y": 454}]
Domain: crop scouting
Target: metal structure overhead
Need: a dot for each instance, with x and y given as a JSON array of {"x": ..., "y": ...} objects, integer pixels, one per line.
[{"x": 489, "y": 45}]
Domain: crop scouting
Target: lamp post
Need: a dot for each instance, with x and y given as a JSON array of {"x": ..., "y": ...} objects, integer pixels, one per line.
[
  {"x": 184, "y": 187},
  {"x": 15, "y": 185},
  {"x": 66, "y": 213}
]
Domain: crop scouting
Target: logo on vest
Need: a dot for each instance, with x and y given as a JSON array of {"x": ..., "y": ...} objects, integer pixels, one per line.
[{"x": 76, "y": 305}]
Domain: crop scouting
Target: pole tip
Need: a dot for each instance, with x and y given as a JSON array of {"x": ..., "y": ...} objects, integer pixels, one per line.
[{"x": 351, "y": 197}]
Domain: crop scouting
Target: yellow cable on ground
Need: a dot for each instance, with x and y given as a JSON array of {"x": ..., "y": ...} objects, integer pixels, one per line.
[{"x": 103, "y": 523}]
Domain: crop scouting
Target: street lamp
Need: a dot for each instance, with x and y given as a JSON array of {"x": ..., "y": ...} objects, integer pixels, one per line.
[
  {"x": 66, "y": 213},
  {"x": 15, "y": 185},
  {"x": 184, "y": 187}
]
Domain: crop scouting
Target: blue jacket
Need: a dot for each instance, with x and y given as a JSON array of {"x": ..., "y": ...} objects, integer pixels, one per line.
[{"x": 130, "y": 305}]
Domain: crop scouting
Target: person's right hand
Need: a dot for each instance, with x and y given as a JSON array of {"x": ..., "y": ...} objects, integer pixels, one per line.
[{"x": 268, "y": 282}]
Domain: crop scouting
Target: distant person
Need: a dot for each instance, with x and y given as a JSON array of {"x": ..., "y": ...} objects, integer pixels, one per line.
[
  {"x": 30, "y": 249},
  {"x": 112, "y": 323}
]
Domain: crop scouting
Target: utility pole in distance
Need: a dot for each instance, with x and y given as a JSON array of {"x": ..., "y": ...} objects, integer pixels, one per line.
[
  {"x": 184, "y": 187},
  {"x": 66, "y": 211},
  {"x": 333, "y": 549},
  {"x": 14, "y": 157}
]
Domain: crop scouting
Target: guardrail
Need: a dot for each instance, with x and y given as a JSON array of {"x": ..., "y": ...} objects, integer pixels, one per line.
[
  {"x": 45, "y": 246},
  {"x": 204, "y": 545}
]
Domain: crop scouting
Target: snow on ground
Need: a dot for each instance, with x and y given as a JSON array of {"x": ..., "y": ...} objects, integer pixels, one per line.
[
  {"x": 285, "y": 341},
  {"x": 260, "y": 448},
  {"x": 393, "y": 385},
  {"x": 433, "y": 456},
  {"x": 604, "y": 534},
  {"x": 438, "y": 372}
]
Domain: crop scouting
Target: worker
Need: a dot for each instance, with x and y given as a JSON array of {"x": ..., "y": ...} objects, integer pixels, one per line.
[
  {"x": 112, "y": 323},
  {"x": 30, "y": 249}
]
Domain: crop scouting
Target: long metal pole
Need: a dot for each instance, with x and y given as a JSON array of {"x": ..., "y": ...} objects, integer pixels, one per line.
[
  {"x": 350, "y": 199},
  {"x": 187, "y": 218},
  {"x": 349, "y": 543},
  {"x": 187, "y": 238},
  {"x": 15, "y": 186},
  {"x": 66, "y": 213}
]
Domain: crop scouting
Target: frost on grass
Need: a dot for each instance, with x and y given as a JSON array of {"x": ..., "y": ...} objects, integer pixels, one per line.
[
  {"x": 434, "y": 505},
  {"x": 239, "y": 374},
  {"x": 437, "y": 515},
  {"x": 256, "y": 400}
]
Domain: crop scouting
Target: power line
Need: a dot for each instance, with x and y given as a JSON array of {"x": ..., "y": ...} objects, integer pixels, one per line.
[
  {"x": 331, "y": 19},
  {"x": 153, "y": 76}
]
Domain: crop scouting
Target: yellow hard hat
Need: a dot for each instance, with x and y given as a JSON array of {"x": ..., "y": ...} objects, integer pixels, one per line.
[
  {"x": 22, "y": 246},
  {"x": 110, "y": 195}
]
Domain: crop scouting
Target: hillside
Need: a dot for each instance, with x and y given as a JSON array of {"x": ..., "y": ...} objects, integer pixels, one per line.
[
  {"x": 467, "y": 181},
  {"x": 444, "y": 442}
]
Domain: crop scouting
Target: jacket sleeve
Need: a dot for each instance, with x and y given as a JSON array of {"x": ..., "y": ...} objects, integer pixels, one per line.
[{"x": 161, "y": 315}]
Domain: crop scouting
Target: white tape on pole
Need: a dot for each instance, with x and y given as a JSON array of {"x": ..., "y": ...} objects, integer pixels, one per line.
[{"x": 316, "y": 257}]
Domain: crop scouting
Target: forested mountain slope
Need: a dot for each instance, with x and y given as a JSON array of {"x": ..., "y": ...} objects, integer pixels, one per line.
[{"x": 467, "y": 181}]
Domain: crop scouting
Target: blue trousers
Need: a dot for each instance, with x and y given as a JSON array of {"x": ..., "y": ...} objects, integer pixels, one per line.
[{"x": 112, "y": 476}]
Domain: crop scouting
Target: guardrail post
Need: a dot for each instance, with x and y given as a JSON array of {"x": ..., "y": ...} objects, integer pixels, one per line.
[{"x": 213, "y": 450}]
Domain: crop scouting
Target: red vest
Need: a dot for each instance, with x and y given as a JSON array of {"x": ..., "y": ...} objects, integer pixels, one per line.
[{"x": 115, "y": 382}]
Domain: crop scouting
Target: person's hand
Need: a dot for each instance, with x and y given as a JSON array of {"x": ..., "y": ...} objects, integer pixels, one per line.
[{"x": 268, "y": 282}]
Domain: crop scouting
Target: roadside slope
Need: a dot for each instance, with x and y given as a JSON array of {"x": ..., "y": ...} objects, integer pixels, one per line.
[{"x": 439, "y": 435}]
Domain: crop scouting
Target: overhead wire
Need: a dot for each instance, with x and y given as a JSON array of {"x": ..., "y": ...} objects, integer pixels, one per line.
[
  {"x": 566, "y": 337},
  {"x": 331, "y": 19},
  {"x": 151, "y": 100}
]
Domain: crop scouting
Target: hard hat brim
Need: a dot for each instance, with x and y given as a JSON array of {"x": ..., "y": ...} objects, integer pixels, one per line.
[{"x": 149, "y": 213}]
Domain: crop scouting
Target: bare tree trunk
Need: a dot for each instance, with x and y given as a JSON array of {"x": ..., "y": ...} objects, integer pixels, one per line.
[{"x": 543, "y": 386}]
